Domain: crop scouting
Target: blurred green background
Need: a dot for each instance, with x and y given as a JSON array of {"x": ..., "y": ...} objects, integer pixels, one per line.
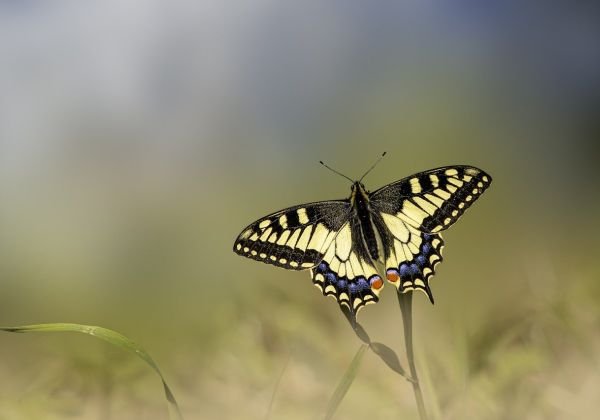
[{"x": 138, "y": 138}]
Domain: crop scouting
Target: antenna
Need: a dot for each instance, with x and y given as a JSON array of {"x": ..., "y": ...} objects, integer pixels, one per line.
[
  {"x": 371, "y": 168},
  {"x": 334, "y": 171}
]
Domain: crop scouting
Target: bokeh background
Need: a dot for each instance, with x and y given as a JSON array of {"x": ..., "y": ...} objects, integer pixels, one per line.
[{"x": 137, "y": 138}]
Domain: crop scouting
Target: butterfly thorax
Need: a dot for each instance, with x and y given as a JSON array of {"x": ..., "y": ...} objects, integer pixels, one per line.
[{"x": 363, "y": 222}]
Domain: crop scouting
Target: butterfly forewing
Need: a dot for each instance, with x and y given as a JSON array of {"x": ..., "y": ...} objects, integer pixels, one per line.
[
  {"x": 433, "y": 200},
  {"x": 294, "y": 238}
]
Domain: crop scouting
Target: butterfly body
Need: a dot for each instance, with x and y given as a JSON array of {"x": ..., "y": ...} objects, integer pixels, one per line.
[
  {"x": 341, "y": 241},
  {"x": 362, "y": 220}
]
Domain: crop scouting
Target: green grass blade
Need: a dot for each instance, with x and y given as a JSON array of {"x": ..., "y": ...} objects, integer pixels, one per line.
[
  {"x": 112, "y": 337},
  {"x": 345, "y": 382}
]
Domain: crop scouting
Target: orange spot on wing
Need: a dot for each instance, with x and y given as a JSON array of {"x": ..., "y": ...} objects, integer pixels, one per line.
[
  {"x": 376, "y": 283},
  {"x": 393, "y": 277}
]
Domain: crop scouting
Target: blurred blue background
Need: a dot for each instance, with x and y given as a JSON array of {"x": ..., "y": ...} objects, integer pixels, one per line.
[{"x": 138, "y": 138}]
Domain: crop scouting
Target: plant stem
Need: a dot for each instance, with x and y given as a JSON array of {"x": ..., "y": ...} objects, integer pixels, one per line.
[{"x": 405, "y": 302}]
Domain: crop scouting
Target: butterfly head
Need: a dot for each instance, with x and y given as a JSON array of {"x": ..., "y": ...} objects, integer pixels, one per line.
[
  {"x": 359, "y": 191},
  {"x": 358, "y": 186}
]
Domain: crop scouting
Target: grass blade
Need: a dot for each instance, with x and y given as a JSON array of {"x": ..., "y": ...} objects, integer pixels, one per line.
[
  {"x": 112, "y": 337},
  {"x": 345, "y": 382}
]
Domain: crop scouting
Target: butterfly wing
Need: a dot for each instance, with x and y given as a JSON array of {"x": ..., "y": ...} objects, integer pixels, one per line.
[
  {"x": 294, "y": 238},
  {"x": 411, "y": 213},
  {"x": 347, "y": 272},
  {"x": 432, "y": 200}
]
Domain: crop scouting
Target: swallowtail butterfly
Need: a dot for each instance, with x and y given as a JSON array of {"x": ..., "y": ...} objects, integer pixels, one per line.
[{"x": 340, "y": 241}]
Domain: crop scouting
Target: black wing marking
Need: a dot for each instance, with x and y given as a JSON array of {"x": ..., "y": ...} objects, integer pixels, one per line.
[
  {"x": 294, "y": 238},
  {"x": 347, "y": 272},
  {"x": 432, "y": 200}
]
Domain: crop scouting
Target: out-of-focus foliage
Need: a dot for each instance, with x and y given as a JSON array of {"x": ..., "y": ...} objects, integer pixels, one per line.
[
  {"x": 112, "y": 337},
  {"x": 138, "y": 138}
]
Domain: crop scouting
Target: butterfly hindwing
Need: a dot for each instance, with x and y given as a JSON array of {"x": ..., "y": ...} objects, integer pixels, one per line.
[
  {"x": 347, "y": 273},
  {"x": 432, "y": 201},
  {"x": 411, "y": 267},
  {"x": 294, "y": 238}
]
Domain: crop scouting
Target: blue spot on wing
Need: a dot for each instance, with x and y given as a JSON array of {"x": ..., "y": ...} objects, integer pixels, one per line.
[
  {"x": 414, "y": 269},
  {"x": 362, "y": 283},
  {"x": 331, "y": 278},
  {"x": 426, "y": 248},
  {"x": 403, "y": 270}
]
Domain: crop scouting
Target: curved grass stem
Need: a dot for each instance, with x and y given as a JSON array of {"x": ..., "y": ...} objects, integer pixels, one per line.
[{"x": 405, "y": 302}]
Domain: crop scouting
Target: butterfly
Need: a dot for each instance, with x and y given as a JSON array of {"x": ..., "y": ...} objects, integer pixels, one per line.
[{"x": 397, "y": 227}]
